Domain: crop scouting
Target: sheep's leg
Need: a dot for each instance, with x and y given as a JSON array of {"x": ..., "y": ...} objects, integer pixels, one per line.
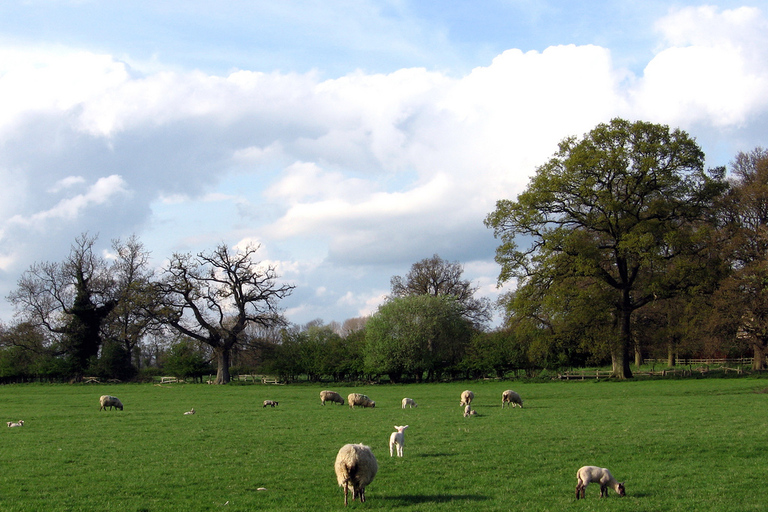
[
  {"x": 390, "y": 449},
  {"x": 579, "y": 491},
  {"x": 603, "y": 490},
  {"x": 362, "y": 494},
  {"x": 346, "y": 488}
]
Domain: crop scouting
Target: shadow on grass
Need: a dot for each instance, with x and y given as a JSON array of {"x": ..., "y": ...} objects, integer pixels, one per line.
[
  {"x": 437, "y": 455},
  {"x": 416, "y": 499}
]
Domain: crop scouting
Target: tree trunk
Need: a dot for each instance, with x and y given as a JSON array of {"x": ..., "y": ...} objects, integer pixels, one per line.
[
  {"x": 671, "y": 353},
  {"x": 759, "y": 347},
  {"x": 620, "y": 355},
  {"x": 222, "y": 359},
  {"x": 638, "y": 355}
]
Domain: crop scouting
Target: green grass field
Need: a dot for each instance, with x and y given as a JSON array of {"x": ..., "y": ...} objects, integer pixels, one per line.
[{"x": 678, "y": 444}]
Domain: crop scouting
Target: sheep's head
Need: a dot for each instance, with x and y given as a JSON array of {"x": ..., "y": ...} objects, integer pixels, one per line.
[
  {"x": 401, "y": 429},
  {"x": 620, "y": 489}
]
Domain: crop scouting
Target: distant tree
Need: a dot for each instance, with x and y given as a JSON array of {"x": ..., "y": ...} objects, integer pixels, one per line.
[
  {"x": 71, "y": 299},
  {"x": 625, "y": 205},
  {"x": 212, "y": 298},
  {"x": 416, "y": 334},
  {"x": 437, "y": 277},
  {"x": 185, "y": 360}
]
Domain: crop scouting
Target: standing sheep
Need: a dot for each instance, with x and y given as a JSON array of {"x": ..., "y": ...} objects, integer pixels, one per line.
[
  {"x": 409, "y": 402},
  {"x": 270, "y": 402},
  {"x": 110, "y": 401},
  {"x": 330, "y": 396},
  {"x": 355, "y": 467},
  {"x": 357, "y": 399},
  {"x": 509, "y": 397},
  {"x": 397, "y": 440},
  {"x": 587, "y": 474},
  {"x": 467, "y": 397}
]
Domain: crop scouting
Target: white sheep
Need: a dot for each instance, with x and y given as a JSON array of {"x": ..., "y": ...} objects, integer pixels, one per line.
[
  {"x": 467, "y": 397},
  {"x": 270, "y": 402},
  {"x": 587, "y": 474},
  {"x": 355, "y": 467},
  {"x": 468, "y": 411},
  {"x": 191, "y": 411},
  {"x": 397, "y": 440},
  {"x": 330, "y": 396},
  {"x": 409, "y": 402},
  {"x": 357, "y": 399},
  {"x": 19, "y": 423},
  {"x": 110, "y": 401},
  {"x": 509, "y": 397}
]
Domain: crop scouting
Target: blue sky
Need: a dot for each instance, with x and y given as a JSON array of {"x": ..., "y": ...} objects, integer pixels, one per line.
[{"x": 349, "y": 138}]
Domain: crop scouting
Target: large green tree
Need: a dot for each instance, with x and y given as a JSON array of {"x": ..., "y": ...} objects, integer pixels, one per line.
[{"x": 625, "y": 205}]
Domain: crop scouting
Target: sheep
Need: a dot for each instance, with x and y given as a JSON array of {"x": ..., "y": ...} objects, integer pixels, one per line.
[
  {"x": 355, "y": 467},
  {"x": 397, "y": 440},
  {"x": 330, "y": 396},
  {"x": 467, "y": 397},
  {"x": 19, "y": 423},
  {"x": 270, "y": 402},
  {"x": 468, "y": 411},
  {"x": 409, "y": 402},
  {"x": 587, "y": 474},
  {"x": 357, "y": 399},
  {"x": 110, "y": 401},
  {"x": 191, "y": 411},
  {"x": 509, "y": 397}
]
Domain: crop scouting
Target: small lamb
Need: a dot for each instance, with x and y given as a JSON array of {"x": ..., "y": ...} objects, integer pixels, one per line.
[
  {"x": 468, "y": 411},
  {"x": 19, "y": 423},
  {"x": 270, "y": 402},
  {"x": 467, "y": 397},
  {"x": 509, "y": 397},
  {"x": 110, "y": 401},
  {"x": 191, "y": 411},
  {"x": 409, "y": 402},
  {"x": 397, "y": 440},
  {"x": 587, "y": 474},
  {"x": 355, "y": 467}
]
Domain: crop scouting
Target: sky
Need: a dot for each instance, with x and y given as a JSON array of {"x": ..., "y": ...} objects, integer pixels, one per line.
[{"x": 349, "y": 139}]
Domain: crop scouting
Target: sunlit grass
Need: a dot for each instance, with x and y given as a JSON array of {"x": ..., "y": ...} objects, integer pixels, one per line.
[{"x": 680, "y": 445}]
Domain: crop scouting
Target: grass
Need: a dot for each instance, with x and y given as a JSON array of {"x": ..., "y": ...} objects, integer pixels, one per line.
[{"x": 693, "y": 444}]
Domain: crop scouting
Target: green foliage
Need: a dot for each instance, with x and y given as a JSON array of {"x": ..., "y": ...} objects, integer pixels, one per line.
[
  {"x": 679, "y": 445},
  {"x": 186, "y": 360},
  {"x": 416, "y": 334}
]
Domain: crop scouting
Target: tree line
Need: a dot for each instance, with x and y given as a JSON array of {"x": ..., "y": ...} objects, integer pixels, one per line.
[{"x": 622, "y": 246}]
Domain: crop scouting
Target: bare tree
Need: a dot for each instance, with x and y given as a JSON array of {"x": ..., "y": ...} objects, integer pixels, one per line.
[
  {"x": 213, "y": 297},
  {"x": 438, "y": 277}
]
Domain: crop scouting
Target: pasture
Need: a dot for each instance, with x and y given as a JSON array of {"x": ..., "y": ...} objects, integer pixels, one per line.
[{"x": 682, "y": 445}]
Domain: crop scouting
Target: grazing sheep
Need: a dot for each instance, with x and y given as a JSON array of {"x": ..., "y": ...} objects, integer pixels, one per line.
[
  {"x": 19, "y": 423},
  {"x": 587, "y": 474},
  {"x": 270, "y": 402},
  {"x": 330, "y": 396},
  {"x": 509, "y": 397},
  {"x": 397, "y": 440},
  {"x": 357, "y": 399},
  {"x": 409, "y": 402},
  {"x": 191, "y": 411},
  {"x": 110, "y": 401},
  {"x": 355, "y": 467},
  {"x": 467, "y": 397}
]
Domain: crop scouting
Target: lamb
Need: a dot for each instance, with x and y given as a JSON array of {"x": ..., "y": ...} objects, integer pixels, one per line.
[
  {"x": 357, "y": 399},
  {"x": 397, "y": 439},
  {"x": 270, "y": 402},
  {"x": 330, "y": 396},
  {"x": 355, "y": 467},
  {"x": 110, "y": 401},
  {"x": 468, "y": 411},
  {"x": 409, "y": 402},
  {"x": 509, "y": 397},
  {"x": 467, "y": 397},
  {"x": 19, "y": 423},
  {"x": 191, "y": 411},
  {"x": 587, "y": 474}
]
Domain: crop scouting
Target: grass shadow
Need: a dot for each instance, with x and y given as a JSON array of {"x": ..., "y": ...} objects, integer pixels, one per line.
[{"x": 437, "y": 455}]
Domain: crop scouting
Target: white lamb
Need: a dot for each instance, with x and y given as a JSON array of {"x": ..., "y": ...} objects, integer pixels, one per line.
[
  {"x": 467, "y": 397},
  {"x": 509, "y": 397},
  {"x": 469, "y": 411},
  {"x": 587, "y": 474},
  {"x": 409, "y": 402},
  {"x": 355, "y": 467},
  {"x": 19, "y": 423},
  {"x": 189, "y": 412},
  {"x": 110, "y": 401},
  {"x": 397, "y": 440},
  {"x": 330, "y": 396},
  {"x": 357, "y": 399}
]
